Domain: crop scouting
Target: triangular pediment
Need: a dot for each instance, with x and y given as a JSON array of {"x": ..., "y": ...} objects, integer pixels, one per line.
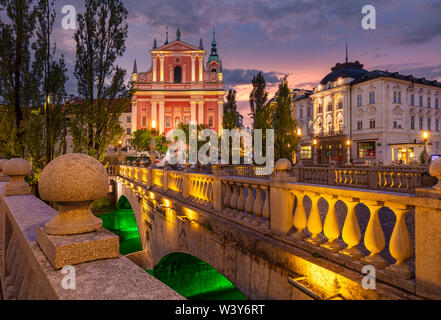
[{"x": 177, "y": 46}]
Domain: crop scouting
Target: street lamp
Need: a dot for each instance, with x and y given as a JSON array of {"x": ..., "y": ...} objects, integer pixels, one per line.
[
  {"x": 426, "y": 139},
  {"x": 153, "y": 143},
  {"x": 348, "y": 152},
  {"x": 299, "y": 147},
  {"x": 314, "y": 143}
]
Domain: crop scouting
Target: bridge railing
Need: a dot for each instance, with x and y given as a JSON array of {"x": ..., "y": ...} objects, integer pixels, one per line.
[{"x": 289, "y": 209}]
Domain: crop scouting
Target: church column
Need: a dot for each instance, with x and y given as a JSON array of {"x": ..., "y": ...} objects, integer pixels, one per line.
[
  {"x": 193, "y": 111},
  {"x": 193, "y": 67},
  {"x": 161, "y": 116},
  {"x": 220, "y": 114},
  {"x": 154, "y": 68},
  {"x": 154, "y": 114},
  {"x": 162, "y": 69},
  {"x": 201, "y": 112},
  {"x": 201, "y": 69},
  {"x": 184, "y": 73},
  {"x": 134, "y": 115}
]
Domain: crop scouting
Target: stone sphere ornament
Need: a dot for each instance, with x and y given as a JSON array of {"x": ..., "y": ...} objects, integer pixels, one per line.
[
  {"x": 17, "y": 169},
  {"x": 3, "y": 177},
  {"x": 73, "y": 182}
]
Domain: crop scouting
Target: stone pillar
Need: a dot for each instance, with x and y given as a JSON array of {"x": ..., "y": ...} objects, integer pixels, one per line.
[
  {"x": 161, "y": 72},
  {"x": 154, "y": 115},
  {"x": 155, "y": 72},
  {"x": 217, "y": 194},
  {"x": 193, "y": 111},
  {"x": 220, "y": 116},
  {"x": 200, "y": 112},
  {"x": 193, "y": 67},
  {"x": 185, "y": 186},
  {"x": 201, "y": 68},
  {"x": 161, "y": 117},
  {"x": 75, "y": 235},
  {"x": 17, "y": 169}
]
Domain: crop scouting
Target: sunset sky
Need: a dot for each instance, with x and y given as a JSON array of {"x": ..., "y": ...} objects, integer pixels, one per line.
[{"x": 302, "y": 38}]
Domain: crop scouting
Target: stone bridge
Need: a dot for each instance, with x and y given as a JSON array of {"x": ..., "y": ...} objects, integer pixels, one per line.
[{"x": 279, "y": 239}]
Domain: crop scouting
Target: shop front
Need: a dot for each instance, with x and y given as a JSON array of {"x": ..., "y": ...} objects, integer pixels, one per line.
[
  {"x": 406, "y": 153},
  {"x": 366, "y": 150}
]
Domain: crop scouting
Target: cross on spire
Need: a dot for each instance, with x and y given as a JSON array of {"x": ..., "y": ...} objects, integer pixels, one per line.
[
  {"x": 346, "y": 52},
  {"x": 166, "y": 37}
]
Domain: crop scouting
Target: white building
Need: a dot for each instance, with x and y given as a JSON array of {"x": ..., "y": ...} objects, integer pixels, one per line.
[{"x": 382, "y": 114}]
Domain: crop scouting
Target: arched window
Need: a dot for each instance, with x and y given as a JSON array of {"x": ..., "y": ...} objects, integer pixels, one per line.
[
  {"x": 214, "y": 70},
  {"x": 178, "y": 74},
  {"x": 177, "y": 121}
]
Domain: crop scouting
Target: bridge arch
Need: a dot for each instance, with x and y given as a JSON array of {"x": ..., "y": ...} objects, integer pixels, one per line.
[{"x": 194, "y": 279}]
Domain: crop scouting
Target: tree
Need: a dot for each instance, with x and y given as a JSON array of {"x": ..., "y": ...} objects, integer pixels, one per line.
[
  {"x": 141, "y": 140},
  {"x": 231, "y": 116},
  {"x": 53, "y": 79},
  {"x": 285, "y": 141},
  {"x": 17, "y": 89},
  {"x": 100, "y": 39},
  {"x": 258, "y": 96}
]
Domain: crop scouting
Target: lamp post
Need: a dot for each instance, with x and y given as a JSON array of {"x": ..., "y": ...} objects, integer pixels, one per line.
[
  {"x": 299, "y": 147},
  {"x": 348, "y": 152},
  {"x": 153, "y": 143},
  {"x": 426, "y": 139},
  {"x": 314, "y": 143}
]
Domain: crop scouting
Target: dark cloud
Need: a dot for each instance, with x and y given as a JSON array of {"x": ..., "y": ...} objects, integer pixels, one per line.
[
  {"x": 419, "y": 70},
  {"x": 306, "y": 85},
  {"x": 234, "y": 77}
]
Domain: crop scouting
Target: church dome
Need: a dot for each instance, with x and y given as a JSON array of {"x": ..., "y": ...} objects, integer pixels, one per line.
[{"x": 344, "y": 70}]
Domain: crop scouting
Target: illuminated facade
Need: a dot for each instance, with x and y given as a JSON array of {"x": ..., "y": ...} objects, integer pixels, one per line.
[
  {"x": 382, "y": 114},
  {"x": 179, "y": 87}
]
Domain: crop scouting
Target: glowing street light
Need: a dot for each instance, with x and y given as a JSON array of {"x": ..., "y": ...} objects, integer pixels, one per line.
[
  {"x": 426, "y": 139},
  {"x": 153, "y": 124},
  {"x": 348, "y": 152}
]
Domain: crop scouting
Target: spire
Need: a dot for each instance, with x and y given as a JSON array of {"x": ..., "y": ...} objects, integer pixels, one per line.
[
  {"x": 346, "y": 52},
  {"x": 213, "y": 55},
  {"x": 155, "y": 44},
  {"x": 201, "y": 45},
  {"x": 178, "y": 35},
  {"x": 166, "y": 37},
  {"x": 135, "y": 68}
]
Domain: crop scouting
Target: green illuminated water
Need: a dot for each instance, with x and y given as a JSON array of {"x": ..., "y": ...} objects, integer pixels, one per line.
[
  {"x": 194, "y": 279},
  {"x": 123, "y": 223}
]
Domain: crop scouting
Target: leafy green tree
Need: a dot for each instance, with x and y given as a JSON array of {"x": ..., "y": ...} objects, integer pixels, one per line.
[
  {"x": 53, "y": 77},
  {"x": 17, "y": 90},
  {"x": 258, "y": 96},
  {"x": 231, "y": 116},
  {"x": 141, "y": 140},
  {"x": 285, "y": 141},
  {"x": 100, "y": 40}
]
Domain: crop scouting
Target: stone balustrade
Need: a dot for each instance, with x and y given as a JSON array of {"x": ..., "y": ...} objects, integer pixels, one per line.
[
  {"x": 37, "y": 241},
  {"x": 333, "y": 216}
]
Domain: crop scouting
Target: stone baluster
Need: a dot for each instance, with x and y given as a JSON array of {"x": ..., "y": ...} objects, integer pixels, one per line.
[
  {"x": 300, "y": 219},
  {"x": 249, "y": 201},
  {"x": 374, "y": 239},
  {"x": 227, "y": 196},
  {"x": 241, "y": 199},
  {"x": 314, "y": 225},
  {"x": 209, "y": 191},
  {"x": 258, "y": 204},
  {"x": 266, "y": 204},
  {"x": 234, "y": 197},
  {"x": 351, "y": 231},
  {"x": 17, "y": 169},
  {"x": 400, "y": 245},
  {"x": 331, "y": 228}
]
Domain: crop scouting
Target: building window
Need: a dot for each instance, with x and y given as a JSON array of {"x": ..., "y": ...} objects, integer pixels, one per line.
[
  {"x": 436, "y": 124},
  {"x": 129, "y": 119},
  {"x": 177, "y": 121},
  {"x": 399, "y": 97},
  {"x": 211, "y": 121},
  {"x": 309, "y": 112},
  {"x": 360, "y": 125},
  {"x": 428, "y": 102},
  {"x": 436, "y": 103},
  {"x": 178, "y": 74},
  {"x": 301, "y": 113},
  {"x": 359, "y": 100},
  {"x": 320, "y": 108},
  {"x": 366, "y": 150},
  {"x": 412, "y": 99},
  {"x": 186, "y": 120},
  {"x": 421, "y": 101},
  {"x": 340, "y": 103},
  {"x": 420, "y": 123},
  {"x": 168, "y": 122},
  {"x": 429, "y": 124},
  {"x": 306, "y": 152},
  {"x": 412, "y": 122},
  {"x": 395, "y": 97},
  {"x": 372, "y": 124},
  {"x": 144, "y": 122},
  {"x": 372, "y": 97},
  {"x": 330, "y": 106},
  {"x": 129, "y": 131},
  {"x": 395, "y": 125}
]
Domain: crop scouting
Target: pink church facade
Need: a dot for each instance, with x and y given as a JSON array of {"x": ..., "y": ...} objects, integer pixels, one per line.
[{"x": 179, "y": 87}]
